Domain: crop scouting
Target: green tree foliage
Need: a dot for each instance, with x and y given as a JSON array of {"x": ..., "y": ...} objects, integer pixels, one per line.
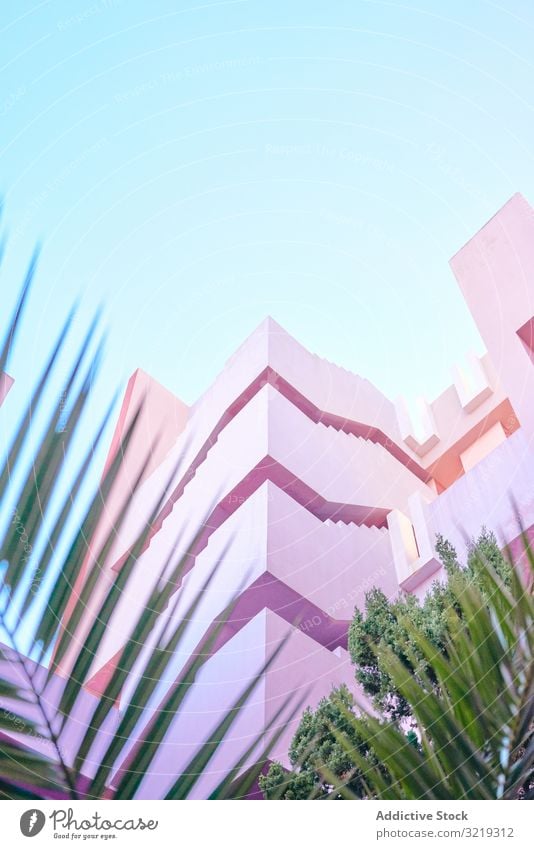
[
  {"x": 474, "y": 719},
  {"x": 452, "y": 682},
  {"x": 382, "y": 623},
  {"x": 318, "y": 757}
]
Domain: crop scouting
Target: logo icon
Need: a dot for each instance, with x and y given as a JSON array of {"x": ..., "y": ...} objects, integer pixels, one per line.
[{"x": 32, "y": 822}]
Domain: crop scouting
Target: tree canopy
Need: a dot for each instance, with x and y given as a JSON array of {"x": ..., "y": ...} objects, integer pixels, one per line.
[{"x": 430, "y": 668}]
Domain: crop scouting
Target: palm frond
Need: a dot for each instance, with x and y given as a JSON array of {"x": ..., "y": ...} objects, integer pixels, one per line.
[{"x": 46, "y": 598}]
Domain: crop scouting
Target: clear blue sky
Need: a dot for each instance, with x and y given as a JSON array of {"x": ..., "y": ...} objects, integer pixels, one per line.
[{"x": 197, "y": 166}]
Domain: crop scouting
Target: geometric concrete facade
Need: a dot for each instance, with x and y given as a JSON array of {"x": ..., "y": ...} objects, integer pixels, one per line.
[{"x": 310, "y": 487}]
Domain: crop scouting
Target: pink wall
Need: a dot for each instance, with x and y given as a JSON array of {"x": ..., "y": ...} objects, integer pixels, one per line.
[{"x": 495, "y": 273}]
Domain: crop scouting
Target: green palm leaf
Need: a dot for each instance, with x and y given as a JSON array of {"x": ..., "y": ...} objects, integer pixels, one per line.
[{"x": 476, "y": 720}]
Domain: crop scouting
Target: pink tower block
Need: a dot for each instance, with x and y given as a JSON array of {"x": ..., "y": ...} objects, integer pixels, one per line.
[
  {"x": 310, "y": 488},
  {"x": 495, "y": 270}
]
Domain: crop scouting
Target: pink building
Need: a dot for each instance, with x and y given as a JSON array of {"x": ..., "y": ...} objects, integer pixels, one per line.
[{"x": 311, "y": 487}]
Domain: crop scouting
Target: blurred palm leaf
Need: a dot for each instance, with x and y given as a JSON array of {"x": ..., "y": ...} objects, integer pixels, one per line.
[{"x": 36, "y": 588}]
